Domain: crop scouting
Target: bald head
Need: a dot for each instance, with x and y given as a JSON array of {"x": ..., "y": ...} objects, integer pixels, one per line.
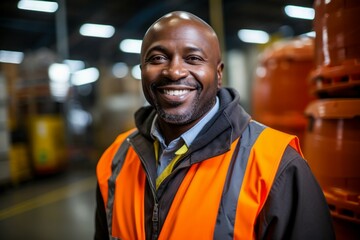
[{"x": 180, "y": 20}]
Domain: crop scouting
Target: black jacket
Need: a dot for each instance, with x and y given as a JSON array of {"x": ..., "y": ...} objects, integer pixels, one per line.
[{"x": 295, "y": 209}]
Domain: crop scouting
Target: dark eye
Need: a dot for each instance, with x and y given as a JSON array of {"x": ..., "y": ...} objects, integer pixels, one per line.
[
  {"x": 194, "y": 59},
  {"x": 156, "y": 59}
]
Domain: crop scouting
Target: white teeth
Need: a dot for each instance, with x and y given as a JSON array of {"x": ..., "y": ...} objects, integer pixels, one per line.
[{"x": 176, "y": 92}]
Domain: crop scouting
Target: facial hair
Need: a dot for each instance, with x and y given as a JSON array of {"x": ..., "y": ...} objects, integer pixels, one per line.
[{"x": 195, "y": 111}]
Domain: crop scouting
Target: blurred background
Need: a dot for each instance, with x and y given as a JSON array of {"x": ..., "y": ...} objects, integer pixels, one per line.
[{"x": 70, "y": 83}]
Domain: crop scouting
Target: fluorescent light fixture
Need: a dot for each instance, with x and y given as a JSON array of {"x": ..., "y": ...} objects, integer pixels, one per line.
[
  {"x": 59, "y": 75},
  {"x": 120, "y": 70},
  {"x": 74, "y": 65},
  {"x": 79, "y": 119},
  {"x": 11, "y": 56},
  {"x": 85, "y": 76},
  {"x": 97, "y": 30},
  {"x": 253, "y": 36},
  {"x": 299, "y": 12},
  {"x": 59, "y": 72},
  {"x": 136, "y": 72},
  {"x": 59, "y": 90},
  {"x": 39, "y": 6},
  {"x": 131, "y": 45}
]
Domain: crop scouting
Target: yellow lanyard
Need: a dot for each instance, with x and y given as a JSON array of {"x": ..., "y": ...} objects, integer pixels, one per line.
[{"x": 166, "y": 172}]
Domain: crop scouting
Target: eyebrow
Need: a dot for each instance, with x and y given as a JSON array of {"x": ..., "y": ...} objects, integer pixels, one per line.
[
  {"x": 156, "y": 48},
  {"x": 195, "y": 49},
  {"x": 161, "y": 48}
]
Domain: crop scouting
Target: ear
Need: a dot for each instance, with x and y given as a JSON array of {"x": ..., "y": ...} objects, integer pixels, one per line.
[{"x": 219, "y": 72}]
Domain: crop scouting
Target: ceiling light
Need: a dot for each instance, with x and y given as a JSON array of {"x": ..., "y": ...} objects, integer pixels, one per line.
[
  {"x": 74, "y": 65},
  {"x": 299, "y": 12},
  {"x": 11, "y": 56},
  {"x": 85, "y": 76},
  {"x": 97, "y": 30},
  {"x": 59, "y": 72},
  {"x": 120, "y": 70},
  {"x": 136, "y": 72},
  {"x": 39, "y": 6},
  {"x": 131, "y": 45},
  {"x": 59, "y": 91},
  {"x": 253, "y": 36}
]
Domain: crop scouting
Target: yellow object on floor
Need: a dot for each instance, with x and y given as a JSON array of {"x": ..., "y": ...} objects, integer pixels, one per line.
[{"x": 48, "y": 143}]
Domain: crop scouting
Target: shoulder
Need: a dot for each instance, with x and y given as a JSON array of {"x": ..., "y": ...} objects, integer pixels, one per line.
[
  {"x": 104, "y": 164},
  {"x": 293, "y": 161}
]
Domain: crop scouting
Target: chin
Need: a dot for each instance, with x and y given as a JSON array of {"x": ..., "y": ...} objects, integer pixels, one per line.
[{"x": 175, "y": 119}]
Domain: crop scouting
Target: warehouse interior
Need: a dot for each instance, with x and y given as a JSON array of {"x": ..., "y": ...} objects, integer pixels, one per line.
[{"x": 66, "y": 94}]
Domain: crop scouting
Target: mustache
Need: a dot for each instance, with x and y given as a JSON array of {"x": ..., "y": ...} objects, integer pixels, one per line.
[{"x": 167, "y": 82}]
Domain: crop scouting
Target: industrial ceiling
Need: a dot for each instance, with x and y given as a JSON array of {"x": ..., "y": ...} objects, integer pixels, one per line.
[{"x": 28, "y": 31}]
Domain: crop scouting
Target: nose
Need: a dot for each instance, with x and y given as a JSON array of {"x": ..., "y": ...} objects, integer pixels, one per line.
[{"x": 175, "y": 70}]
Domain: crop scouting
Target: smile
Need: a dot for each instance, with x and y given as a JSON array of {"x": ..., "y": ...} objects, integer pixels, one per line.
[{"x": 176, "y": 92}]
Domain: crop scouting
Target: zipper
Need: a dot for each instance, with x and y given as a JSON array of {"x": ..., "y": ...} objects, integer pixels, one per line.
[
  {"x": 155, "y": 213},
  {"x": 155, "y": 221}
]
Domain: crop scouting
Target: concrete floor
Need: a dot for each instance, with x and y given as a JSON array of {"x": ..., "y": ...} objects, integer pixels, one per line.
[
  {"x": 55, "y": 207},
  {"x": 62, "y": 207}
]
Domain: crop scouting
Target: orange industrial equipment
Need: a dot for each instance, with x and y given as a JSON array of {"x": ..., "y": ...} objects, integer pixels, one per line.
[
  {"x": 332, "y": 149},
  {"x": 337, "y": 48},
  {"x": 280, "y": 90},
  {"x": 332, "y": 139}
]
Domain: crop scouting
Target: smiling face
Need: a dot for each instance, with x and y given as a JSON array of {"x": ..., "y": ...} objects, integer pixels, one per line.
[{"x": 181, "y": 68}]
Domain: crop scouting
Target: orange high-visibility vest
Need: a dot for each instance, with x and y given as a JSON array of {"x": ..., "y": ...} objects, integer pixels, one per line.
[{"x": 214, "y": 188}]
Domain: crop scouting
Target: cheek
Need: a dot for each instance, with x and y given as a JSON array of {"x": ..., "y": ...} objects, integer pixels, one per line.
[
  {"x": 208, "y": 78},
  {"x": 203, "y": 74},
  {"x": 148, "y": 77},
  {"x": 149, "y": 74}
]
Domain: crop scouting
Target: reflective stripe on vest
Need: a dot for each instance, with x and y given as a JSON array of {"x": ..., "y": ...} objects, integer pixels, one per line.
[{"x": 211, "y": 199}]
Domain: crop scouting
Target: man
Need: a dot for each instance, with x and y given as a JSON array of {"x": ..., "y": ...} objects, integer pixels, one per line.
[{"x": 197, "y": 166}]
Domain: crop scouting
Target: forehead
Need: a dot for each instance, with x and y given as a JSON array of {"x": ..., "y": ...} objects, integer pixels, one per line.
[{"x": 179, "y": 32}]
